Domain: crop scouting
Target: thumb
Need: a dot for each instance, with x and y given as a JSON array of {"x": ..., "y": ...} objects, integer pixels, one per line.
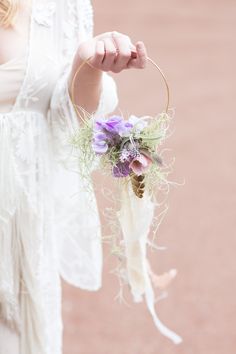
[{"x": 87, "y": 49}]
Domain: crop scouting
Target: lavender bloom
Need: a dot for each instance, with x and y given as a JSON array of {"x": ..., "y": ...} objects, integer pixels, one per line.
[
  {"x": 121, "y": 169},
  {"x": 99, "y": 144},
  {"x": 115, "y": 125},
  {"x": 125, "y": 155},
  {"x": 128, "y": 154}
]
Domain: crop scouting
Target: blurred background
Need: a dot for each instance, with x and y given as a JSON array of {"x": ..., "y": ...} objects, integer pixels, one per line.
[{"x": 194, "y": 43}]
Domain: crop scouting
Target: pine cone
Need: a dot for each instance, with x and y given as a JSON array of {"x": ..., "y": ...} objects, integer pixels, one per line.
[{"x": 138, "y": 185}]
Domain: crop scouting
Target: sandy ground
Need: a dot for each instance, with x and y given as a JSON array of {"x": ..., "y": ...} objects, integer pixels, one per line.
[{"x": 194, "y": 43}]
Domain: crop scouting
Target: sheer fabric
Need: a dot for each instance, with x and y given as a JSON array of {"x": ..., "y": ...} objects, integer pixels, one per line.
[
  {"x": 11, "y": 77},
  {"x": 9, "y": 340},
  {"x": 47, "y": 228}
]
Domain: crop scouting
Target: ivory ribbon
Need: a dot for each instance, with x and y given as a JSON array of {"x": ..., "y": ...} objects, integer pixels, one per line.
[{"x": 135, "y": 217}]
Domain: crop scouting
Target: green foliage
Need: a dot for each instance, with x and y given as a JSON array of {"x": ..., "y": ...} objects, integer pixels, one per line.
[{"x": 150, "y": 138}]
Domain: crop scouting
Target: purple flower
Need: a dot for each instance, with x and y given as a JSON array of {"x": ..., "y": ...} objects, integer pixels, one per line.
[
  {"x": 99, "y": 144},
  {"x": 121, "y": 169},
  {"x": 114, "y": 125}
]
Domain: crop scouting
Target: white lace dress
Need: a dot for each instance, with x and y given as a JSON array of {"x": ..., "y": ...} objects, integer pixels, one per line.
[{"x": 47, "y": 225}]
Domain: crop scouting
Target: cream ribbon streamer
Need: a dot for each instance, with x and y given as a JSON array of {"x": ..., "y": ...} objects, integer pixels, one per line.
[{"x": 135, "y": 217}]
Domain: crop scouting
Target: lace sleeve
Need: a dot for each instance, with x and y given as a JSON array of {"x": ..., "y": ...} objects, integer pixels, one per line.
[
  {"x": 78, "y": 26},
  {"x": 76, "y": 215},
  {"x": 108, "y": 98}
]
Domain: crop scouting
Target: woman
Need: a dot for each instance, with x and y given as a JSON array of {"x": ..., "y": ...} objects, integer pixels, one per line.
[{"x": 47, "y": 226}]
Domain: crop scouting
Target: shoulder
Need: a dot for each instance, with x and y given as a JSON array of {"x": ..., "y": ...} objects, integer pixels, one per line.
[
  {"x": 83, "y": 9},
  {"x": 83, "y": 6},
  {"x": 74, "y": 25},
  {"x": 85, "y": 17}
]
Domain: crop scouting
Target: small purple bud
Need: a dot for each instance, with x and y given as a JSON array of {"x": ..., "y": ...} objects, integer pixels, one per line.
[{"x": 121, "y": 169}]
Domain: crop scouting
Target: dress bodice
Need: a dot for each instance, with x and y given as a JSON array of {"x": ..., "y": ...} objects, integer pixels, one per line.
[{"x": 12, "y": 74}]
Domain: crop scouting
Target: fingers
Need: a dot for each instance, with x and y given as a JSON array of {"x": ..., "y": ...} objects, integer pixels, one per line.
[
  {"x": 124, "y": 46},
  {"x": 114, "y": 51},
  {"x": 110, "y": 54},
  {"x": 141, "y": 60},
  {"x": 97, "y": 59}
]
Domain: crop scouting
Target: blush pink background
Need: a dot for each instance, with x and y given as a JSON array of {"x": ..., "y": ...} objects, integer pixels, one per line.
[{"x": 194, "y": 43}]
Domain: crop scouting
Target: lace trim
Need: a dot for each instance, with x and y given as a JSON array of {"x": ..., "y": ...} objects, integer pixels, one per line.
[
  {"x": 43, "y": 13},
  {"x": 28, "y": 59}
]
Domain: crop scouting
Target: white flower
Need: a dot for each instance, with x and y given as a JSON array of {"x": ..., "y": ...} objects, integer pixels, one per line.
[
  {"x": 125, "y": 154},
  {"x": 138, "y": 122}
]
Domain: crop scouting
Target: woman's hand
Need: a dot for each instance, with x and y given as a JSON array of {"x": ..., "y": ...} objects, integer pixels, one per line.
[
  {"x": 113, "y": 51},
  {"x": 110, "y": 51}
]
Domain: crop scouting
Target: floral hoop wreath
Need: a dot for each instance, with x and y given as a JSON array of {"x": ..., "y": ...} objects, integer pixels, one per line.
[{"x": 128, "y": 150}]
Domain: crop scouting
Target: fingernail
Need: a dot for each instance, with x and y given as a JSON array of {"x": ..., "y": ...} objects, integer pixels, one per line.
[{"x": 139, "y": 44}]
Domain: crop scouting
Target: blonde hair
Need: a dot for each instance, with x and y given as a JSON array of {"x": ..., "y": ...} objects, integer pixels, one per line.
[{"x": 8, "y": 12}]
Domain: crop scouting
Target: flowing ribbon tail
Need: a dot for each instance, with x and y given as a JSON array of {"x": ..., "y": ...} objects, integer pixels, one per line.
[
  {"x": 150, "y": 301},
  {"x": 135, "y": 217}
]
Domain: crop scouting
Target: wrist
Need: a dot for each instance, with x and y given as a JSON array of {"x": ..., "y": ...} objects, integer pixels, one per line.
[
  {"x": 88, "y": 75},
  {"x": 85, "y": 84}
]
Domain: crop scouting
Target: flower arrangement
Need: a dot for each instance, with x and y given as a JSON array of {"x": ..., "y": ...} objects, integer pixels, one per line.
[{"x": 125, "y": 148}]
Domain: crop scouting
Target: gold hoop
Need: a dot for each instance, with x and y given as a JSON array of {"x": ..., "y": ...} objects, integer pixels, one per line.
[{"x": 149, "y": 59}]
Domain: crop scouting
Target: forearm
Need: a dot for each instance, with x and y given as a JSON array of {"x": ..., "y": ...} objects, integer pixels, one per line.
[{"x": 87, "y": 86}]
